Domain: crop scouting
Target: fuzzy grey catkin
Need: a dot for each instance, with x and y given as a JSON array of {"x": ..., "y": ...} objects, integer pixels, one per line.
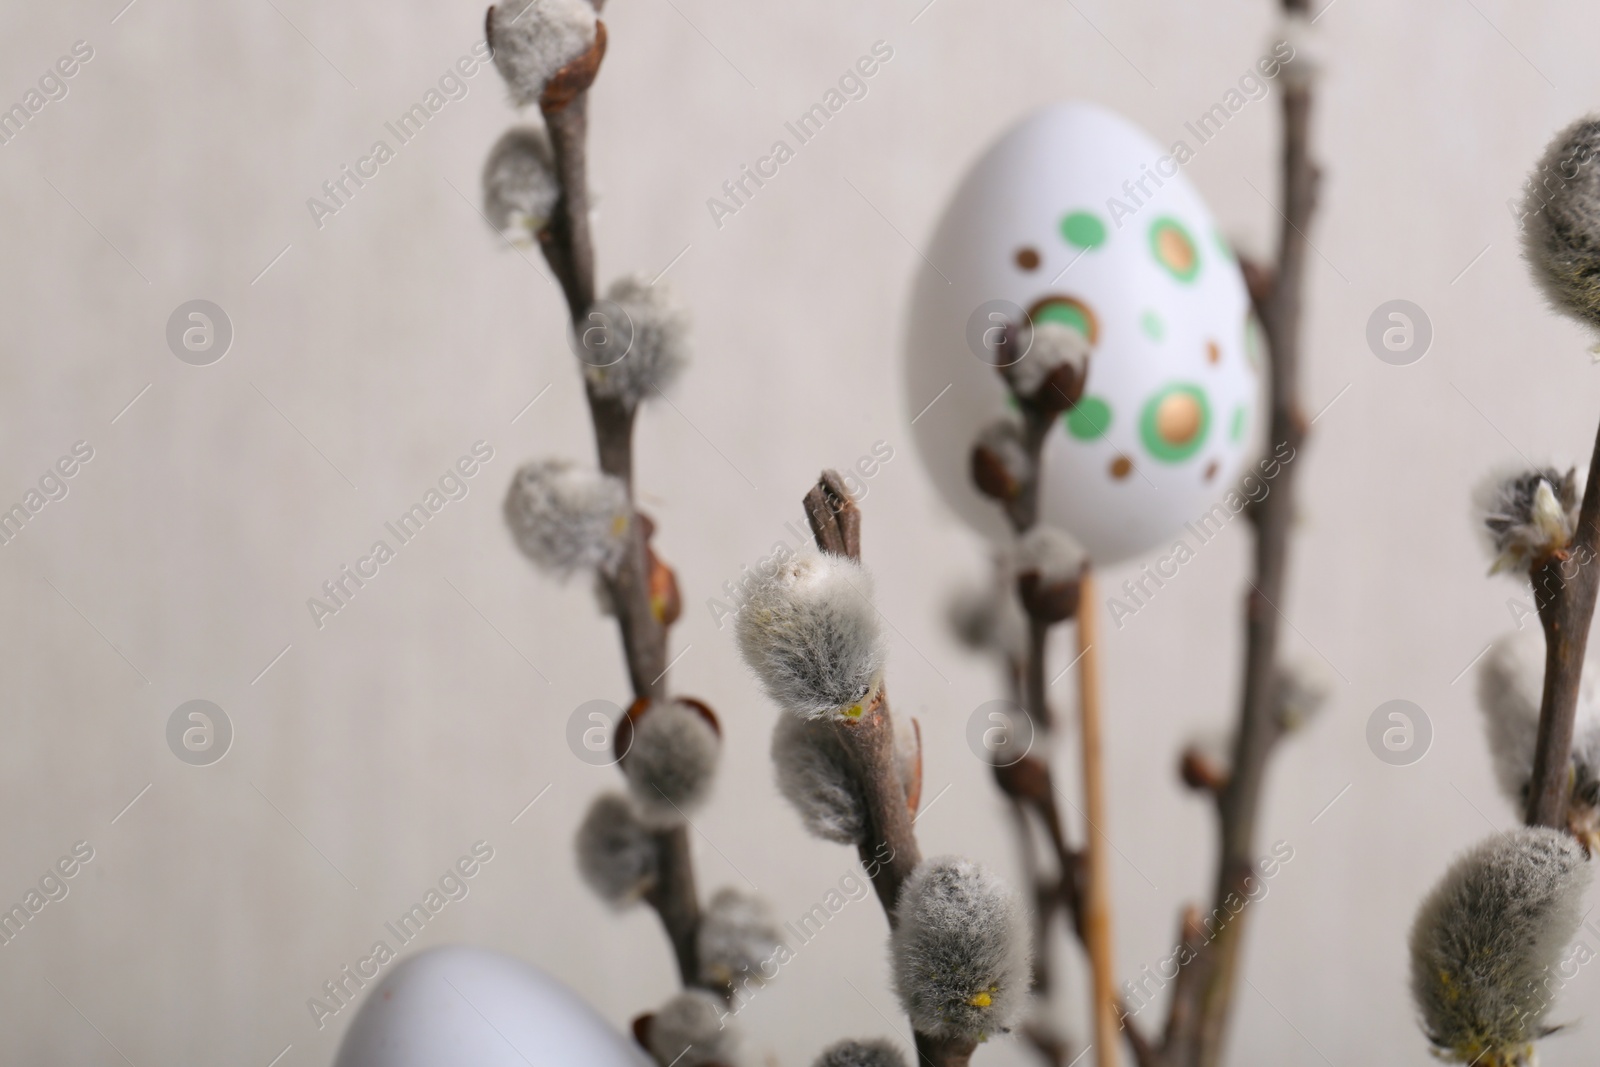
[
  {"x": 1510, "y": 691},
  {"x": 1528, "y": 514},
  {"x": 1050, "y": 553},
  {"x": 1485, "y": 939},
  {"x": 1302, "y": 690},
  {"x": 738, "y": 939},
  {"x": 688, "y": 1031},
  {"x": 616, "y": 851},
  {"x": 656, "y": 334},
  {"x": 1051, "y": 346},
  {"x": 1561, "y": 221},
  {"x": 959, "y": 950},
  {"x": 815, "y": 777},
  {"x": 565, "y": 518},
  {"x": 533, "y": 39},
  {"x": 812, "y": 637},
  {"x": 987, "y": 618},
  {"x": 671, "y": 763},
  {"x": 520, "y": 188},
  {"x": 876, "y": 1053}
]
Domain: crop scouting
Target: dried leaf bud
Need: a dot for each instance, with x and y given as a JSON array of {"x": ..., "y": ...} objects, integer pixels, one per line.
[
  {"x": 534, "y": 39},
  {"x": 669, "y": 753},
  {"x": 1000, "y": 463},
  {"x": 616, "y": 851},
  {"x": 812, "y": 637},
  {"x": 1201, "y": 772},
  {"x": 520, "y": 188},
  {"x": 959, "y": 950},
  {"x": 566, "y": 519},
  {"x": 1302, "y": 690},
  {"x": 1487, "y": 937}
]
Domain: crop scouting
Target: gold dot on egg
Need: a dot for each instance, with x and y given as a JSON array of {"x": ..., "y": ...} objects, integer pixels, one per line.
[
  {"x": 1211, "y": 470},
  {"x": 1178, "y": 418},
  {"x": 1027, "y": 259},
  {"x": 1176, "y": 249},
  {"x": 1213, "y": 353},
  {"x": 1121, "y": 467}
]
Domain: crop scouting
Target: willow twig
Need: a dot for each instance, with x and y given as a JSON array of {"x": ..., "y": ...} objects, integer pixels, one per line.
[
  {"x": 569, "y": 249},
  {"x": 888, "y": 849},
  {"x": 1200, "y": 1006}
]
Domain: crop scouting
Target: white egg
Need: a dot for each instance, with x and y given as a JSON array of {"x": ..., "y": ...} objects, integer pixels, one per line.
[
  {"x": 459, "y": 1005},
  {"x": 1076, "y": 215}
]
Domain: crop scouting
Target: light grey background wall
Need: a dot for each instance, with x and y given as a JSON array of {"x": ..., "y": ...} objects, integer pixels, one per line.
[{"x": 378, "y": 348}]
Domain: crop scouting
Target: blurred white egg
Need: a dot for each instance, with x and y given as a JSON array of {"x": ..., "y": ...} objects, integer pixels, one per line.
[
  {"x": 1075, "y": 215},
  {"x": 459, "y": 1005}
]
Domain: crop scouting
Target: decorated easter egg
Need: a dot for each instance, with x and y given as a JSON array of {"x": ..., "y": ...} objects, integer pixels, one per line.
[
  {"x": 459, "y": 1005},
  {"x": 1076, "y": 216}
]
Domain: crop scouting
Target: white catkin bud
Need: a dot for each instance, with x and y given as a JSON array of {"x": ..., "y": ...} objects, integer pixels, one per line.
[
  {"x": 1050, "y": 553},
  {"x": 520, "y": 189},
  {"x": 1049, "y": 347},
  {"x": 1561, "y": 221},
  {"x": 616, "y": 851},
  {"x": 738, "y": 938},
  {"x": 656, "y": 333},
  {"x": 812, "y": 636},
  {"x": 815, "y": 776},
  {"x": 1485, "y": 939},
  {"x": 960, "y": 950},
  {"x": 1528, "y": 514},
  {"x": 987, "y": 618},
  {"x": 876, "y": 1053},
  {"x": 689, "y": 1031},
  {"x": 671, "y": 762},
  {"x": 1510, "y": 690},
  {"x": 566, "y": 519},
  {"x": 533, "y": 39},
  {"x": 1302, "y": 690}
]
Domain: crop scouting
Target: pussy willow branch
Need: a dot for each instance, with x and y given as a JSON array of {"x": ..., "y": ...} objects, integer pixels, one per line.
[
  {"x": 569, "y": 249},
  {"x": 1564, "y": 589},
  {"x": 1082, "y": 885},
  {"x": 888, "y": 849},
  {"x": 1200, "y": 1007}
]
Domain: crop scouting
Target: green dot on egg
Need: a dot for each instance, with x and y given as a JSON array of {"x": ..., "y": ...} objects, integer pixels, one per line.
[
  {"x": 1236, "y": 430},
  {"x": 1174, "y": 422},
  {"x": 1089, "y": 419},
  {"x": 1083, "y": 229},
  {"x": 1152, "y": 325}
]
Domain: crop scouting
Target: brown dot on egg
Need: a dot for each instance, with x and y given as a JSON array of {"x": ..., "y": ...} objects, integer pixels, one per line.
[
  {"x": 1121, "y": 467},
  {"x": 1211, "y": 470},
  {"x": 1213, "y": 352},
  {"x": 1027, "y": 259}
]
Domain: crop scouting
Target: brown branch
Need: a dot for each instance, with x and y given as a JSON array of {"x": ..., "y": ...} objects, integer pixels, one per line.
[
  {"x": 568, "y": 247},
  {"x": 888, "y": 849},
  {"x": 1200, "y": 1006},
  {"x": 1565, "y": 587}
]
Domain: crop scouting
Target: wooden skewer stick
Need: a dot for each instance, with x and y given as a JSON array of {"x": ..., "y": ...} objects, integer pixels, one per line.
[{"x": 1097, "y": 890}]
